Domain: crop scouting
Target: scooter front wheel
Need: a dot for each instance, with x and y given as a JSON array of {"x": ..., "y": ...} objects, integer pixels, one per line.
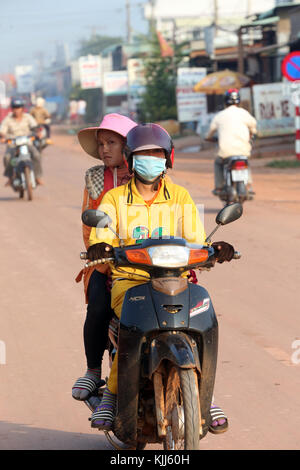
[
  {"x": 182, "y": 407},
  {"x": 28, "y": 183},
  {"x": 118, "y": 445}
]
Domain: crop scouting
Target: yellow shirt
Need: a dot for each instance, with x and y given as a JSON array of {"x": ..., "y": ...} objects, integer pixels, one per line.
[{"x": 172, "y": 213}]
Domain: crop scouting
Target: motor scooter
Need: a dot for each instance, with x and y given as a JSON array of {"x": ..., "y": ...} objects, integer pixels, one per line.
[
  {"x": 22, "y": 178},
  {"x": 167, "y": 341},
  {"x": 236, "y": 177}
]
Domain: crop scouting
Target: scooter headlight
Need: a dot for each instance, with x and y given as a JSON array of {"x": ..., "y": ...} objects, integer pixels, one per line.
[
  {"x": 169, "y": 256},
  {"x": 21, "y": 140}
]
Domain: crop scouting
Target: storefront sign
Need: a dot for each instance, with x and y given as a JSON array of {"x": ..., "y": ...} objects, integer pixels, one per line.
[
  {"x": 273, "y": 110},
  {"x": 90, "y": 72},
  {"x": 191, "y": 106},
  {"x": 116, "y": 83}
]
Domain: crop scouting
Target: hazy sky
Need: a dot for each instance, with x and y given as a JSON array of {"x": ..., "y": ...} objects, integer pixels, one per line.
[{"x": 29, "y": 26}]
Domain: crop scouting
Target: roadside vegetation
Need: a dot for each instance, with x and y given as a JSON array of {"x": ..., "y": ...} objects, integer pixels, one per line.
[{"x": 282, "y": 164}]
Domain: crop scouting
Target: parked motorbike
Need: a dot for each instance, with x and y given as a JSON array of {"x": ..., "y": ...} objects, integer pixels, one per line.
[
  {"x": 167, "y": 342},
  {"x": 236, "y": 177},
  {"x": 23, "y": 178}
]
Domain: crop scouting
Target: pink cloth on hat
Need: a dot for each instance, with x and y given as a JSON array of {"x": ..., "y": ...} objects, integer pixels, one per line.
[{"x": 117, "y": 123}]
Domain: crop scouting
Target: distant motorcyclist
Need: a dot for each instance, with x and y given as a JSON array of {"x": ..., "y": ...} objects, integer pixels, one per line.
[
  {"x": 16, "y": 124},
  {"x": 42, "y": 116},
  {"x": 235, "y": 127}
]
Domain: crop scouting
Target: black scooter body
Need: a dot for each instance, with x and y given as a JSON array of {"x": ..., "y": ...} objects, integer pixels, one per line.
[
  {"x": 149, "y": 334},
  {"x": 22, "y": 162},
  {"x": 233, "y": 191}
]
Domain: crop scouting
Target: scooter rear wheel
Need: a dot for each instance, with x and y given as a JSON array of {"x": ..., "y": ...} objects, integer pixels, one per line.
[{"x": 182, "y": 410}]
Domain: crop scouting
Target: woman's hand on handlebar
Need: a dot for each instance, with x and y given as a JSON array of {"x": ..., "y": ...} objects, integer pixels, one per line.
[
  {"x": 223, "y": 251},
  {"x": 99, "y": 250}
]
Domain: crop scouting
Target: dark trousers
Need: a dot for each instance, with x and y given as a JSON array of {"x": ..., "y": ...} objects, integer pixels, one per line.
[
  {"x": 47, "y": 128},
  {"x": 99, "y": 313}
]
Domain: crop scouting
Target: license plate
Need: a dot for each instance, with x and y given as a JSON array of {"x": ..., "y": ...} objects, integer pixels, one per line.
[{"x": 240, "y": 175}]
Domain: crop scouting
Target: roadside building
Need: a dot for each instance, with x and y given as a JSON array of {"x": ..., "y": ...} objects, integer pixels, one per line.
[{"x": 275, "y": 33}]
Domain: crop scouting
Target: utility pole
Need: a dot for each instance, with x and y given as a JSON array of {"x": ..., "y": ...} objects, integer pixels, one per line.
[
  {"x": 128, "y": 23},
  {"x": 214, "y": 27},
  {"x": 240, "y": 51},
  {"x": 249, "y": 7},
  {"x": 152, "y": 19},
  {"x": 216, "y": 15}
]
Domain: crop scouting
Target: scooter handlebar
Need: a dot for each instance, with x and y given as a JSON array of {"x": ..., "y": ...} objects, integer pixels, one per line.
[
  {"x": 237, "y": 255},
  {"x": 83, "y": 255},
  {"x": 99, "y": 261}
]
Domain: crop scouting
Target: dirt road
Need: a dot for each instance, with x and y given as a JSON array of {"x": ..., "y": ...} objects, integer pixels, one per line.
[{"x": 42, "y": 308}]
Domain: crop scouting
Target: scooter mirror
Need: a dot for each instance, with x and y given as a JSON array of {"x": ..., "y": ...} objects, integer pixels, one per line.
[
  {"x": 95, "y": 218},
  {"x": 229, "y": 213}
]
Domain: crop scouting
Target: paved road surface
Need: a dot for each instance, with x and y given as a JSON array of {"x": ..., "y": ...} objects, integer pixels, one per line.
[{"x": 42, "y": 309}]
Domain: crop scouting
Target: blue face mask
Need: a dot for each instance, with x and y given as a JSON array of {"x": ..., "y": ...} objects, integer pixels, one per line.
[{"x": 148, "y": 167}]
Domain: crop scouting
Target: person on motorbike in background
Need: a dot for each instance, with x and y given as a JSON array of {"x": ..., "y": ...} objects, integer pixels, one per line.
[
  {"x": 42, "y": 116},
  {"x": 235, "y": 127},
  {"x": 105, "y": 143},
  {"x": 135, "y": 209},
  {"x": 16, "y": 124}
]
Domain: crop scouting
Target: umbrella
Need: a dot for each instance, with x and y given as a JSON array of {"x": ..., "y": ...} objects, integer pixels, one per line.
[{"x": 219, "y": 82}]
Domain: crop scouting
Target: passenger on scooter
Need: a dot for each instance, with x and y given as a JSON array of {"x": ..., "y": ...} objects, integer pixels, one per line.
[
  {"x": 105, "y": 143},
  {"x": 17, "y": 124},
  {"x": 235, "y": 127},
  {"x": 135, "y": 209},
  {"x": 42, "y": 116}
]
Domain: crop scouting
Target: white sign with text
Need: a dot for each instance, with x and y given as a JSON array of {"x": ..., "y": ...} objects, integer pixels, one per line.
[
  {"x": 191, "y": 106},
  {"x": 274, "y": 110}
]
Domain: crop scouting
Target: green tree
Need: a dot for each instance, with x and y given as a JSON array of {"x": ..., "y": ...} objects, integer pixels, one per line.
[
  {"x": 96, "y": 44},
  {"x": 159, "y": 99}
]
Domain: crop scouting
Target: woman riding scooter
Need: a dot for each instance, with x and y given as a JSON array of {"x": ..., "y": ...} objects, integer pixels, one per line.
[{"x": 132, "y": 208}]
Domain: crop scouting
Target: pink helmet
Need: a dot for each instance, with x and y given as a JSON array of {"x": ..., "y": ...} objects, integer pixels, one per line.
[{"x": 112, "y": 122}]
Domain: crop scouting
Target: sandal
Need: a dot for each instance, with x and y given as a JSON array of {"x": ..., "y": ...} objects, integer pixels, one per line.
[
  {"x": 85, "y": 384},
  {"x": 104, "y": 414},
  {"x": 219, "y": 421}
]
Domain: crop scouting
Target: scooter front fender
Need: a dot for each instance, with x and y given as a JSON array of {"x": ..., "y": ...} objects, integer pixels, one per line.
[
  {"x": 23, "y": 164},
  {"x": 176, "y": 347}
]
